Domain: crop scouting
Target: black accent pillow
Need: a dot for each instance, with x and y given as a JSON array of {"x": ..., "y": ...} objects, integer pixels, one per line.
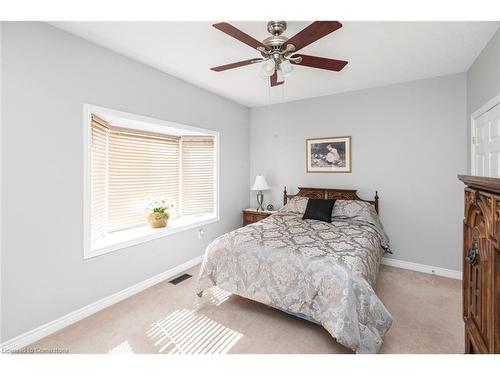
[{"x": 319, "y": 209}]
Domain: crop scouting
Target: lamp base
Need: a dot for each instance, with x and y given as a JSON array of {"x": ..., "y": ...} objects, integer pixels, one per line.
[{"x": 260, "y": 199}]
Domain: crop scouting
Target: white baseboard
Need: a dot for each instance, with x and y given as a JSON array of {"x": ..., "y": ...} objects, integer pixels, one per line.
[
  {"x": 47, "y": 329},
  {"x": 422, "y": 268}
]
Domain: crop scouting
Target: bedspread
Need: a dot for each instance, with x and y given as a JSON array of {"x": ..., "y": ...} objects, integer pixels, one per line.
[{"x": 326, "y": 271}]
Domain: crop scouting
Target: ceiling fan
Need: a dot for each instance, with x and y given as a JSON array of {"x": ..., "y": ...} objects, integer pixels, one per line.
[{"x": 279, "y": 52}]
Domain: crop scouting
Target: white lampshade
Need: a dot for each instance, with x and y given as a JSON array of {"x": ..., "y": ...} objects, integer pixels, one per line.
[{"x": 260, "y": 183}]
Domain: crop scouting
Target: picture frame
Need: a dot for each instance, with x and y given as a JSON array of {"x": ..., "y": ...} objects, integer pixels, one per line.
[{"x": 328, "y": 155}]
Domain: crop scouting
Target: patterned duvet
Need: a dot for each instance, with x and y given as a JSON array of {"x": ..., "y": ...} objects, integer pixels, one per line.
[{"x": 326, "y": 271}]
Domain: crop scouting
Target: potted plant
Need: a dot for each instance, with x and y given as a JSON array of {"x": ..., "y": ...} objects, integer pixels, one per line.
[{"x": 158, "y": 212}]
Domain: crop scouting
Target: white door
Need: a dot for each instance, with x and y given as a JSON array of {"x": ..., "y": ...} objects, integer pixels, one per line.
[{"x": 486, "y": 143}]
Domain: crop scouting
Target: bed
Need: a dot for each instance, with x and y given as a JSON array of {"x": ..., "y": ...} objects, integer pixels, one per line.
[{"x": 319, "y": 271}]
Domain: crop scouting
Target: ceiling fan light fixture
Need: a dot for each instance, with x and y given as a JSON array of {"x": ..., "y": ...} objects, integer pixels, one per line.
[
  {"x": 286, "y": 68},
  {"x": 279, "y": 76},
  {"x": 268, "y": 68}
]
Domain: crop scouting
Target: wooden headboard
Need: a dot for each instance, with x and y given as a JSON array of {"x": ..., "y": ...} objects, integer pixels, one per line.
[{"x": 320, "y": 193}]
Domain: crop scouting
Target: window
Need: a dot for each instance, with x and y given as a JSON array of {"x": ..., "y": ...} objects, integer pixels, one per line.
[
  {"x": 197, "y": 175},
  {"x": 132, "y": 159}
]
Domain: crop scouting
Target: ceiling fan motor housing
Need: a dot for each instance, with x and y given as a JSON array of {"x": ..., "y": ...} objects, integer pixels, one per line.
[
  {"x": 275, "y": 42},
  {"x": 276, "y": 27}
]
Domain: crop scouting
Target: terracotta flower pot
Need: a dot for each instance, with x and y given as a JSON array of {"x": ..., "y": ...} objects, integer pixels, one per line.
[{"x": 158, "y": 219}]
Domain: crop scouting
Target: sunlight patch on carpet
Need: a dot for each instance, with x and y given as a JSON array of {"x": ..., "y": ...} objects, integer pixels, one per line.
[
  {"x": 122, "y": 348},
  {"x": 185, "y": 332},
  {"x": 218, "y": 296}
]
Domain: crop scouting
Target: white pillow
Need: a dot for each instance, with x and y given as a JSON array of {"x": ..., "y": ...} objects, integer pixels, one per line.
[
  {"x": 359, "y": 211},
  {"x": 295, "y": 205}
]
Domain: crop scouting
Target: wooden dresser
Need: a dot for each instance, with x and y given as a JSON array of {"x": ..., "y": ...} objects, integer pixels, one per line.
[{"x": 481, "y": 264}]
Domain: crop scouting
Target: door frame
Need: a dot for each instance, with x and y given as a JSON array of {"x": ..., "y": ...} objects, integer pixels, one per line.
[{"x": 483, "y": 109}]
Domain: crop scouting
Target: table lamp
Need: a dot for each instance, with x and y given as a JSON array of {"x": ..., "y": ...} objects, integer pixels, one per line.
[{"x": 259, "y": 185}]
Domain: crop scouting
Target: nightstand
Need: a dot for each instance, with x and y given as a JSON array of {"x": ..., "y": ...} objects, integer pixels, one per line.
[{"x": 251, "y": 215}]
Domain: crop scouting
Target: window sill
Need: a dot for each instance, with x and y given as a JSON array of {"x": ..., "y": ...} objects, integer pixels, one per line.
[{"x": 130, "y": 237}]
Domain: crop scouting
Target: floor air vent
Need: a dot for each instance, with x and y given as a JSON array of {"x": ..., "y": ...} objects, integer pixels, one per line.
[{"x": 180, "y": 279}]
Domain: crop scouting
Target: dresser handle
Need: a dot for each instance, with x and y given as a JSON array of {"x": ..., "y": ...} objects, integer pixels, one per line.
[{"x": 472, "y": 253}]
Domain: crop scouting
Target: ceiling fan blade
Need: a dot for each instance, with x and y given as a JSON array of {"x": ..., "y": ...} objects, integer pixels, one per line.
[
  {"x": 235, "y": 65},
  {"x": 312, "y": 33},
  {"x": 274, "y": 80},
  {"x": 238, "y": 34},
  {"x": 320, "y": 62}
]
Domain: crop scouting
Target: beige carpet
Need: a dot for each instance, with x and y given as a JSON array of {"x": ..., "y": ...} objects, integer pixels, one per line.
[{"x": 169, "y": 319}]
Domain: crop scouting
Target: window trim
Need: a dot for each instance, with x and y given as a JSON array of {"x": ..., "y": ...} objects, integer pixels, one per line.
[{"x": 148, "y": 124}]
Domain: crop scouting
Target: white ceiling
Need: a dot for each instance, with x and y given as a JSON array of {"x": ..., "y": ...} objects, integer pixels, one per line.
[{"x": 379, "y": 53}]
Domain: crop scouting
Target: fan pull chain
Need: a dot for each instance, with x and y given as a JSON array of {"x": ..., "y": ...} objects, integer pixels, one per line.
[{"x": 269, "y": 92}]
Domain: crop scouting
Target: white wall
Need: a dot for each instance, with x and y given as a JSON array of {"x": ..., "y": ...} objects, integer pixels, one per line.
[
  {"x": 47, "y": 75},
  {"x": 408, "y": 142},
  {"x": 483, "y": 82}
]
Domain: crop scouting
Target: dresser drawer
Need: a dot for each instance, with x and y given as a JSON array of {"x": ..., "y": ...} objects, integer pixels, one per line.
[{"x": 253, "y": 217}]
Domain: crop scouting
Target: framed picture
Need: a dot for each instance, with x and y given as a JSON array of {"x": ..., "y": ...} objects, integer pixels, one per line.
[{"x": 331, "y": 154}]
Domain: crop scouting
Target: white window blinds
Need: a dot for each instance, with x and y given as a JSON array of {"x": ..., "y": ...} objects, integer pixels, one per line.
[
  {"x": 198, "y": 175},
  {"x": 141, "y": 165},
  {"x": 98, "y": 179},
  {"x": 129, "y": 165}
]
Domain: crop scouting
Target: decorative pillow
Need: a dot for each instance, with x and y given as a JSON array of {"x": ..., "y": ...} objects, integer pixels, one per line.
[
  {"x": 319, "y": 209},
  {"x": 350, "y": 209},
  {"x": 296, "y": 205}
]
